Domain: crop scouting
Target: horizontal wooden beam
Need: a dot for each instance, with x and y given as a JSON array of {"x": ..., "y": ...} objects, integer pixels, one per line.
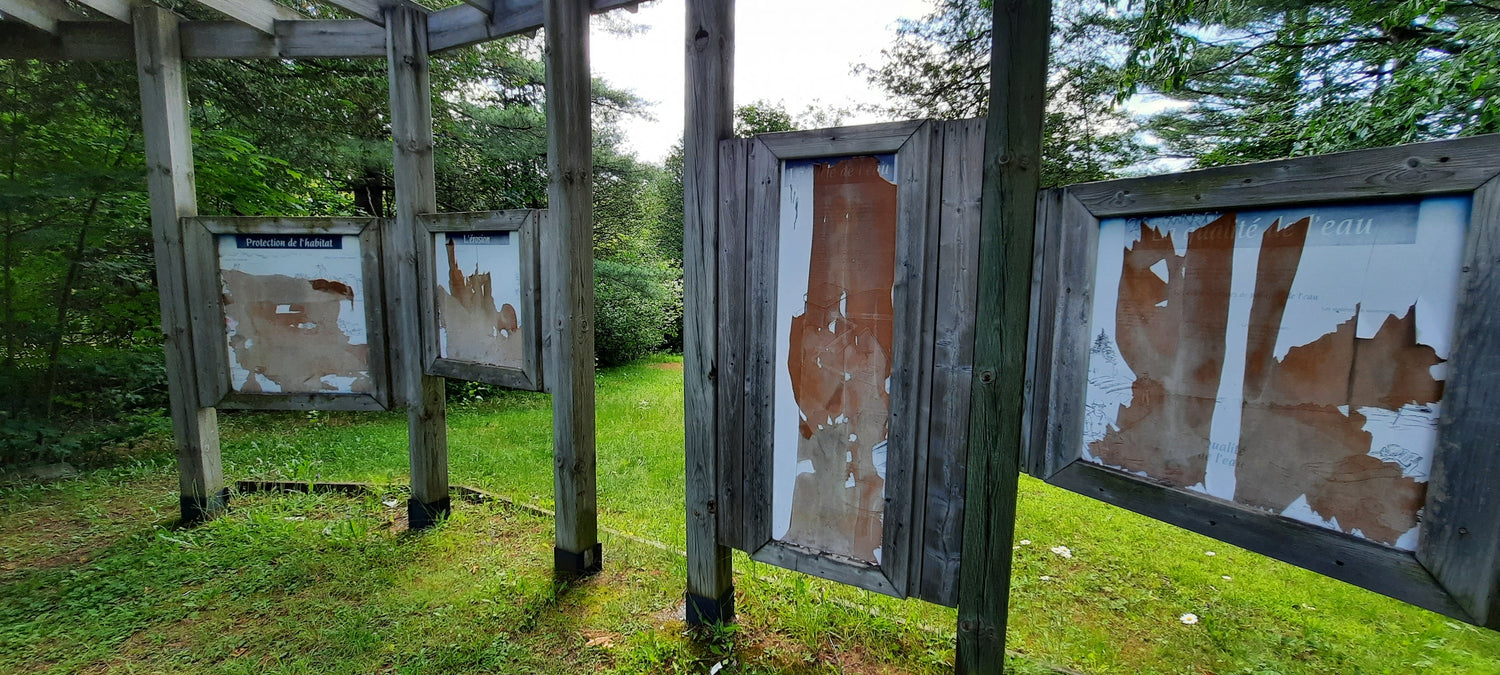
[
  {"x": 369, "y": 10},
  {"x": 261, "y": 15},
  {"x": 110, "y": 41},
  {"x": 464, "y": 25},
  {"x": 114, "y": 9},
  {"x": 39, "y": 14}
]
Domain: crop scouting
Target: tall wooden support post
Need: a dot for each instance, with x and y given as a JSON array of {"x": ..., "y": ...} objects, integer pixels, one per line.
[
  {"x": 169, "y": 175},
  {"x": 568, "y": 285},
  {"x": 416, "y": 193},
  {"x": 710, "y": 119},
  {"x": 1012, "y": 164}
]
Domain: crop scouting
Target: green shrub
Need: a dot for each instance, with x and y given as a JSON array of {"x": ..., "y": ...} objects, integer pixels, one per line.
[{"x": 635, "y": 308}]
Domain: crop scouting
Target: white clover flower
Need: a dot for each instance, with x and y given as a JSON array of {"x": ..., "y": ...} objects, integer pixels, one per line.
[
  {"x": 1046, "y": 578},
  {"x": 1210, "y": 553},
  {"x": 1188, "y": 619},
  {"x": 1226, "y": 577},
  {"x": 1025, "y": 542},
  {"x": 1062, "y": 551}
]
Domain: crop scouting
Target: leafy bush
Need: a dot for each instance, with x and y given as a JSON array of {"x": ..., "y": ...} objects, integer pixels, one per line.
[{"x": 636, "y": 306}]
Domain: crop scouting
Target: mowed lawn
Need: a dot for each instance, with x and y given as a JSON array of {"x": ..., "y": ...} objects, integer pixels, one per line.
[{"x": 94, "y": 577}]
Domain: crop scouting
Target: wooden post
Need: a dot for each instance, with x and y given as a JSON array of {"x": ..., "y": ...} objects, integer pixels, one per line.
[
  {"x": 169, "y": 175},
  {"x": 1012, "y": 164},
  {"x": 710, "y": 119},
  {"x": 568, "y": 285},
  {"x": 416, "y": 193}
]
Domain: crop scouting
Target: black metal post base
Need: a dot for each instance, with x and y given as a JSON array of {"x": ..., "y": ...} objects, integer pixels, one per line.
[
  {"x": 420, "y": 516},
  {"x": 196, "y": 510},
  {"x": 567, "y": 565},
  {"x": 703, "y": 611}
]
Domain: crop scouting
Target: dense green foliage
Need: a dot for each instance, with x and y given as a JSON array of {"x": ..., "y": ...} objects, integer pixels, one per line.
[{"x": 82, "y": 363}]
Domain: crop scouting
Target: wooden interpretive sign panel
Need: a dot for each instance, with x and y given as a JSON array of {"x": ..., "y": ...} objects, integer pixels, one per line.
[
  {"x": 1285, "y": 368},
  {"x": 845, "y": 350},
  {"x": 300, "y": 312},
  {"x": 482, "y": 319}
]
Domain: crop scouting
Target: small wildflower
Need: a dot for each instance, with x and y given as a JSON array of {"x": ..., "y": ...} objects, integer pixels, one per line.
[
  {"x": 1062, "y": 551},
  {"x": 1046, "y": 578},
  {"x": 1227, "y": 577},
  {"x": 1188, "y": 619},
  {"x": 1210, "y": 553},
  {"x": 1025, "y": 542}
]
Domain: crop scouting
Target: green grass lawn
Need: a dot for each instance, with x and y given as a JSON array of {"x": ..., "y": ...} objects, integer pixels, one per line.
[{"x": 94, "y": 578}]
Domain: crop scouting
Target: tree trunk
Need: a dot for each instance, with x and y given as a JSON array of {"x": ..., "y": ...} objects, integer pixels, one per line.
[{"x": 64, "y": 296}]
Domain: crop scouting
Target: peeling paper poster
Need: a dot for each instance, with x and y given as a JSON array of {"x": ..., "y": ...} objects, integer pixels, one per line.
[
  {"x": 479, "y": 297},
  {"x": 294, "y": 313},
  {"x": 834, "y": 324},
  {"x": 1289, "y": 359}
]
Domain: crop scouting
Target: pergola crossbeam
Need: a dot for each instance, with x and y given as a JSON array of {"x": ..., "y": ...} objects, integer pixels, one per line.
[
  {"x": 261, "y": 15},
  {"x": 369, "y": 10},
  {"x": 110, "y": 41},
  {"x": 118, "y": 10},
  {"x": 41, "y": 14},
  {"x": 464, "y": 25}
]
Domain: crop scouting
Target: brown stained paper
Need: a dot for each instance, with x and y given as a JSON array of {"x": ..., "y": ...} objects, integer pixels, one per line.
[
  {"x": 475, "y": 330},
  {"x": 1171, "y": 334},
  {"x": 1294, "y": 440},
  {"x": 287, "y": 331},
  {"x": 840, "y": 360}
]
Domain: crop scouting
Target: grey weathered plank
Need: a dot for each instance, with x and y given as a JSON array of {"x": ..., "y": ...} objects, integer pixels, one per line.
[
  {"x": 905, "y": 450},
  {"x": 464, "y": 25},
  {"x": 531, "y": 296},
  {"x": 1071, "y": 293},
  {"x": 826, "y": 565},
  {"x": 568, "y": 263},
  {"x": 709, "y": 55},
  {"x": 372, "y": 265},
  {"x": 112, "y": 41},
  {"x": 730, "y": 362},
  {"x": 931, "y": 273},
  {"x": 952, "y": 359},
  {"x": 1012, "y": 160},
  {"x": 40, "y": 14},
  {"x": 472, "y": 221},
  {"x": 275, "y": 225},
  {"x": 416, "y": 193},
  {"x": 169, "y": 176},
  {"x": 357, "y": 402},
  {"x": 866, "y": 139},
  {"x": 762, "y": 231},
  {"x": 1039, "y": 351},
  {"x": 205, "y": 311},
  {"x": 1379, "y": 568},
  {"x": 1460, "y": 540},
  {"x": 369, "y": 10},
  {"x": 1420, "y": 168},
  {"x": 118, "y": 10},
  {"x": 261, "y": 15}
]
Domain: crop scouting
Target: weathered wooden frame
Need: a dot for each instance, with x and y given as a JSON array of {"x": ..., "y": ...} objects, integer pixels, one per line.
[
  {"x": 749, "y": 221},
  {"x": 200, "y": 236},
  {"x": 1456, "y": 567},
  {"x": 525, "y": 223}
]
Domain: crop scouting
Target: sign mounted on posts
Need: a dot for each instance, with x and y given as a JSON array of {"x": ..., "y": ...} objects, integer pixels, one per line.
[
  {"x": 297, "y": 321},
  {"x": 1297, "y": 357},
  {"x": 481, "y": 303}
]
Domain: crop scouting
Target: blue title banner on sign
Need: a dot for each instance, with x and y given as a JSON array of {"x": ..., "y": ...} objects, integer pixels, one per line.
[
  {"x": 480, "y": 238},
  {"x": 298, "y": 241}
]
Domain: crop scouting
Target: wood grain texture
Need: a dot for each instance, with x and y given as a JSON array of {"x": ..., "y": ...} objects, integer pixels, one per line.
[
  {"x": 1366, "y": 564},
  {"x": 1420, "y": 168},
  {"x": 118, "y": 10},
  {"x": 169, "y": 177},
  {"x": 1460, "y": 541},
  {"x": 205, "y": 311},
  {"x": 43, "y": 15},
  {"x": 730, "y": 329},
  {"x": 369, "y": 10},
  {"x": 112, "y": 41},
  {"x": 568, "y": 266},
  {"x": 709, "y": 53},
  {"x": 927, "y": 324},
  {"x": 464, "y": 25},
  {"x": 261, "y": 15},
  {"x": 865, "y": 139},
  {"x": 1012, "y": 160},
  {"x": 523, "y": 222},
  {"x": 1070, "y": 292},
  {"x": 905, "y": 449},
  {"x": 827, "y": 566},
  {"x": 275, "y": 225},
  {"x": 952, "y": 358},
  {"x": 416, "y": 193},
  {"x": 1045, "y": 251},
  {"x": 762, "y": 228}
]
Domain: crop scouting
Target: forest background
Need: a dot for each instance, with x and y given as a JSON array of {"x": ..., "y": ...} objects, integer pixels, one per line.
[{"x": 1230, "y": 81}]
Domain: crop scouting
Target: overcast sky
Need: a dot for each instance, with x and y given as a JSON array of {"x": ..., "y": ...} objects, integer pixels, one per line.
[{"x": 797, "y": 52}]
